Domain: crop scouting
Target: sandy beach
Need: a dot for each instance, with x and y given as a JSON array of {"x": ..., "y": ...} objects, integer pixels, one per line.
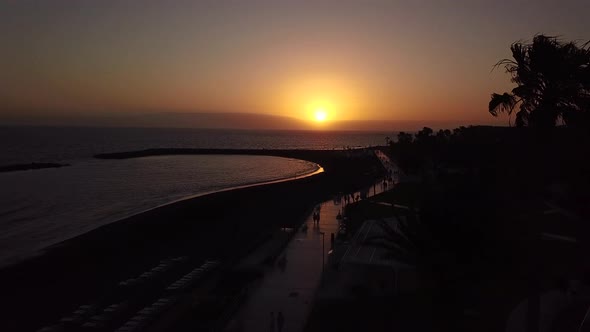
[{"x": 223, "y": 226}]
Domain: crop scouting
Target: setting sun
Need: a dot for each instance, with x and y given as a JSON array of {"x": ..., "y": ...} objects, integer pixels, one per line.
[{"x": 320, "y": 115}]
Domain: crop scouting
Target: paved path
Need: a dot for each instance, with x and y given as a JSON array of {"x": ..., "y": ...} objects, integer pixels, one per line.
[
  {"x": 291, "y": 290},
  {"x": 390, "y": 167}
]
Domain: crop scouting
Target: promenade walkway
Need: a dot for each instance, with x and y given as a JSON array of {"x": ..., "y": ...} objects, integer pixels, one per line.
[{"x": 291, "y": 289}]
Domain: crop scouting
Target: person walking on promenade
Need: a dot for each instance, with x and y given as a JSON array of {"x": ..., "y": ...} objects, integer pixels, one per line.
[
  {"x": 280, "y": 321},
  {"x": 272, "y": 322},
  {"x": 283, "y": 262}
]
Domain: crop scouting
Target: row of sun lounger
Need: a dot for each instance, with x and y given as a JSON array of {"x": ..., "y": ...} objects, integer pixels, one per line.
[
  {"x": 155, "y": 272},
  {"x": 192, "y": 277},
  {"x": 109, "y": 315},
  {"x": 147, "y": 315},
  {"x": 89, "y": 317}
]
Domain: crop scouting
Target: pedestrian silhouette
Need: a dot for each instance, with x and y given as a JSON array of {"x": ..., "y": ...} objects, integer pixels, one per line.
[
  {"x": 283, "y": 263},
  {"x": 280, "y": 321},
  {"x": 272, "y": 322}
]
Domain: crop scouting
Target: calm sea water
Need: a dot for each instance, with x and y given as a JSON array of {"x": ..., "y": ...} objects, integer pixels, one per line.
[{"x": 43, "y": 207}]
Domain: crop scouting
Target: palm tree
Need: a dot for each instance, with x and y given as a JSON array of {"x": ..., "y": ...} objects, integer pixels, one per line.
[
  {"x": 553, "y": 83},
  {"x": 410, "y": 242}
]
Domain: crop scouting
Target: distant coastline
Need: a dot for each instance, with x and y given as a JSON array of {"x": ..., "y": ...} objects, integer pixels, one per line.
[
  {"x": 31, "y": 166},
  {"x": 220, "y": 120}
]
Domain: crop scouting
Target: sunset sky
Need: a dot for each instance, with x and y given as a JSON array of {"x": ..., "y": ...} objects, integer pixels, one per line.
[{"x": 356, "y": 60}]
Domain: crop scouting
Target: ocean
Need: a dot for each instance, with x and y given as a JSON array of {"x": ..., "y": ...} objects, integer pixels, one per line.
[{"x": 44, "y": 207}]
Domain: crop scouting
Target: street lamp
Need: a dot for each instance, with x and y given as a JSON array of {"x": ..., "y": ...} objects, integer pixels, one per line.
[{"x": 323, "y": 250}]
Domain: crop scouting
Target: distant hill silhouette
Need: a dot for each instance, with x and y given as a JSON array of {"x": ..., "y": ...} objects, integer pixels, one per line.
[
  {"x": 167, "y": 120},
  {"x": 212, "y": 120},
  {"x": 219, "y": 120},
  {"x": 395, "y": 125}
]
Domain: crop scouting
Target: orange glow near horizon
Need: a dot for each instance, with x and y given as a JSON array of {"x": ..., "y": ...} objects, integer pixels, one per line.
[
  {"x": 359, "y": 62},
  {"x": 321, "y": 97}
]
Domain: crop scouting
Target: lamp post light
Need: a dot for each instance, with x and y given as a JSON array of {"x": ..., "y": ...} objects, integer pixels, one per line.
[{"x": 323, "y": 250}]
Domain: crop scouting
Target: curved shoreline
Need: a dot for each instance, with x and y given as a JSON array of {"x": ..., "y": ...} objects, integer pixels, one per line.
[
  {"x": 319, "y": 169},
  {"x": 221, "y": 225},
  {"x": 295, "y": 169}
]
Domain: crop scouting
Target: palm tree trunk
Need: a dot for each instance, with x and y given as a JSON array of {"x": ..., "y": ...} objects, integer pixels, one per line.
[{"x": 533, "y": 312}]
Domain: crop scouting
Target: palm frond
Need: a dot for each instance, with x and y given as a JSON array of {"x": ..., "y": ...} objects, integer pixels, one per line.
[{"x": 501, "y": 103}]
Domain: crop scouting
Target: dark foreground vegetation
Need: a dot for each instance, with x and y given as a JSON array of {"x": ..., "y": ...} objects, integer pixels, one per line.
[
  {"x": 494, "y": 220},
  {"x": 506, "y": 213}
]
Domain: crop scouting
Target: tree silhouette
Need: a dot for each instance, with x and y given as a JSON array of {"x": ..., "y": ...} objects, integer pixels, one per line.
[
  {"x": 424, "y": 134},
  {"x": 410, "y": 242},
  {"x": 404, "y": 138},
  {"x": 553, "y": 83}
]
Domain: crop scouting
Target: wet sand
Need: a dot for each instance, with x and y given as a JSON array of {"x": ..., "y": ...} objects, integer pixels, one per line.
[{"x": 223, "y": 226}]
